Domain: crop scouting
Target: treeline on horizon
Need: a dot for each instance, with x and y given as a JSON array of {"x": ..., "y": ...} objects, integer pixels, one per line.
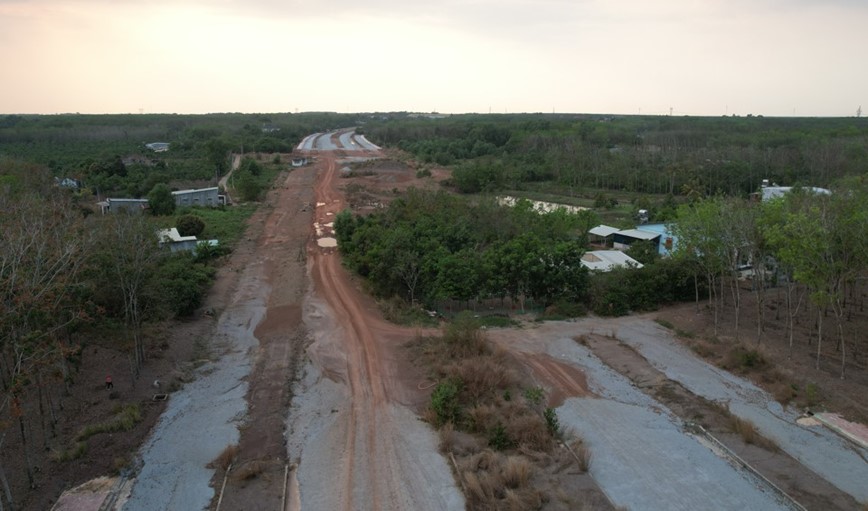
[
  {"x": 647, "y": 154},
  {"x": 107, "y": 153}
]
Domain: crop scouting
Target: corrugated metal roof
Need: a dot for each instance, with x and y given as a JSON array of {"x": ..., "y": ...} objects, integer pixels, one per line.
[
  {"x": 603, "y": 230},
  {"x": 605, "y": 260},
  {"x": 639, "y": 234}
]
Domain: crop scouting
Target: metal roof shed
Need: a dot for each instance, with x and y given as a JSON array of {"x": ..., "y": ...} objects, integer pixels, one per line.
[{"x": 623, "y": 239}]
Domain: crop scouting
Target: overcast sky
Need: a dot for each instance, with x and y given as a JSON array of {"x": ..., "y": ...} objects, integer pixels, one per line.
[{"x": 700, "y": 57}]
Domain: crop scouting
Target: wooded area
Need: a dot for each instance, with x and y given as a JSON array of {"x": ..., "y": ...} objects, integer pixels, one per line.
[
  {"x": 652, "y": 154},
  {"x": 71, "y": 278}
]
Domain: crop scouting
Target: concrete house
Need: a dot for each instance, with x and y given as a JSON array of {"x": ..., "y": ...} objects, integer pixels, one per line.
[
  {"x": 198, "y": 197},
  {"x": 131, "y": 206},
  {"x": 176, "y": 243},
  {"x": 172, "y": 238}
]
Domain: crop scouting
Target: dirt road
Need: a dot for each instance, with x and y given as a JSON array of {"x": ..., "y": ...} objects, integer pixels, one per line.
[{"x": 369, "y": 451}]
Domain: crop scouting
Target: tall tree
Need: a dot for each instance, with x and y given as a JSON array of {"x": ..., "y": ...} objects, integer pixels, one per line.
[
  {"x": 42, "y": 248},
  {"x": 129, "y": 248}
]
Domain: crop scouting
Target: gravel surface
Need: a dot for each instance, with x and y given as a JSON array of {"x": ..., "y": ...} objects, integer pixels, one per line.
[
  {"x": 347, "y": 142},
  {"x": 840, "y": 462},
  {"x": 365, "y": 143},
  {"x": 201, "y": 418},
  {"x": 324, "y": 142},
  {"x": 641, "y": 457},
  {"x": 307, "y": 143}
]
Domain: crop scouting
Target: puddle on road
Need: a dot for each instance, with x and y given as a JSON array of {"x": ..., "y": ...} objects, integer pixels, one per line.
[{"x": 327, "y": 242}]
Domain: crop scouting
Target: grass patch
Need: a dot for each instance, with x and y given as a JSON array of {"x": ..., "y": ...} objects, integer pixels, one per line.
[
  {"x": 226, "y": 224},
  {"x": 687, "y": 334},
  {"x": 563, "y": 310},
  {"x": 497, "y": 481},
  {"x": 495, "y": 321},
  {"x": 125, "y": 418},
  {"x": 400, "y": 312},
  {"x": 664, "y": 323},
  {"x": 75, "y": 452},
  {"x": 744, "y": 360}
]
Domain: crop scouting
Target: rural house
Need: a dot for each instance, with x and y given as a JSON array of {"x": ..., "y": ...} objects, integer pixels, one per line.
[
  {"x": 623, "y": 239},
  {"x": 134, "y": 206},
  {"x": 606, "y": 260},
  {"x": 199, "y": 197},
  {"x": 602, "y": 235}
]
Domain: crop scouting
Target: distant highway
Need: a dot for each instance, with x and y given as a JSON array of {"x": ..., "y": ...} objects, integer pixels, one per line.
[{"x": 344, "y": 140}]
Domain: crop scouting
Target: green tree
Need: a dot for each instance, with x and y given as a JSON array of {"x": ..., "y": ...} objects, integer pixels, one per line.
[
  {"x": 190, "y": 225},
  {"x": 161, "y": 201},
  {"x": 248, "y": 187},
  {"x": 698, "y": 228}
]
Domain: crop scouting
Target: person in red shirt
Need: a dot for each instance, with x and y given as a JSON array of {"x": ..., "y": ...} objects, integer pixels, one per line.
[{"x": 108, "y": 382}]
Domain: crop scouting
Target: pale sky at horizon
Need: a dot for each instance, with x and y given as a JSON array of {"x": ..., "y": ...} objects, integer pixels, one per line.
[{"x": 700, "y": 57}]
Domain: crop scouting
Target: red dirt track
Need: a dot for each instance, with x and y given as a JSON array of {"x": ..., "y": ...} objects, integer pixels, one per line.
[{"x": 374, "y": 472}]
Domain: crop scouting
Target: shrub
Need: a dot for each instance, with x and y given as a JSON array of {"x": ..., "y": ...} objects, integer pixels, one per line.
[
  {"x": 444, "y": 401},
  {"x": 190, "y": 225},
  {"x": 498, "y": 439},
  {"x": 552, "y": 422},
  {"x": 534, "y": 395}
]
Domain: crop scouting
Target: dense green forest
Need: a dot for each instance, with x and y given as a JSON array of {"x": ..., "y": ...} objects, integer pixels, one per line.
[
  {"x": 107, "y": 153},
  {"x": 434, "y": 247},
  {"x": 658, "y": 155}
]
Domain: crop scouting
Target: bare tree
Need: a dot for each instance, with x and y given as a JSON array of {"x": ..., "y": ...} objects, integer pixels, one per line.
[{"x": 129, "y": 245}]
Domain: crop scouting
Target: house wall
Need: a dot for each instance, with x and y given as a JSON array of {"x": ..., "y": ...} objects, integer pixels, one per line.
[
  {"x": 132, "y": 206},
  {"x": 202, "y": 197}
]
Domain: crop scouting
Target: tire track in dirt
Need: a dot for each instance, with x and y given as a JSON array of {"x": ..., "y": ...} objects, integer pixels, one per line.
[{"x": 376, "y": 466}]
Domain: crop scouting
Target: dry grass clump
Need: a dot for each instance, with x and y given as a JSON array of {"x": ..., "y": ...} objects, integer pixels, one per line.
[
  {"x": 746, "y": 429},
  {"x": 447, "y": 438},
  {"x": 748, "y": 432},
  {"x": 225, "y": 458},
  {"x": 529, "y": 430},
  {"x": 492, "y": 423},
  {"x": 583, "y": 456},
  {"x": 516, "y": 472},
  {"x": 248, "y": 470},
  {"x": 482, "y": 375},
  {"x": 497, "y": 481},
  {"x": 481, "y": 418},
  {"x": 464, "y": 339}
]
